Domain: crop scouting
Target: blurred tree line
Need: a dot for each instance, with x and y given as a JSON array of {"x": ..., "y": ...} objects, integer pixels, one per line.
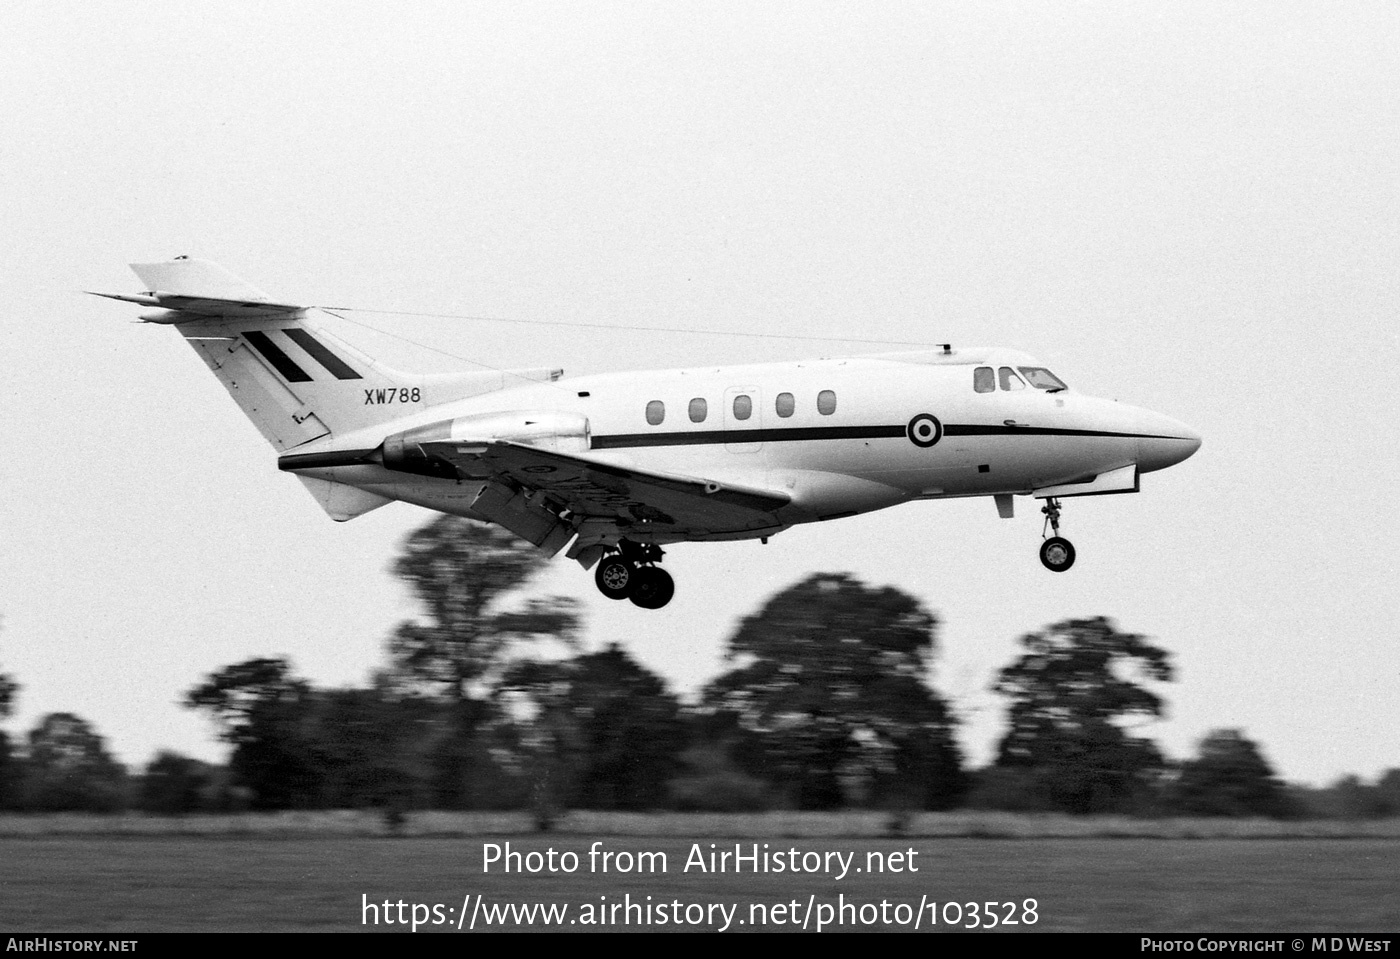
[{"x": 487, "y": 702}]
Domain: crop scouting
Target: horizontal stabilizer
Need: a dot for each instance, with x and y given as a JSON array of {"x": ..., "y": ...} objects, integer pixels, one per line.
[
  {"x": 184, "y": 309},
  {"x": 200, "y": 290}
]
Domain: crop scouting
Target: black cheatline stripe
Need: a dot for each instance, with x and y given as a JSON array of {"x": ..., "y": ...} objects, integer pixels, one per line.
[
  {"x": 284, "y": 363},
  {"x": 321, "y": 354},
  {"x": 1048, "y": 431},
  {"x": 707, "y": 437},
  {"x": 800, "y": 434}
]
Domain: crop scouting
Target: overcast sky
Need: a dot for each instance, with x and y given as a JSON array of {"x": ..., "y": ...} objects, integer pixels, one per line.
[{"x": 1187, "y": 206}]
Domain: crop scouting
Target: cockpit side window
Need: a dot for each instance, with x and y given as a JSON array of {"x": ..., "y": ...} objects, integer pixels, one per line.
[
  {"x": 982, "y": 379},
  {"x": 1042, "y": 379},
  {"x": 1009, "y": 379}
]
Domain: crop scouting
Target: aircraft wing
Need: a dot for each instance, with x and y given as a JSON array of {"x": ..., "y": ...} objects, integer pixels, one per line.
[{"x": 594, "y": 489}]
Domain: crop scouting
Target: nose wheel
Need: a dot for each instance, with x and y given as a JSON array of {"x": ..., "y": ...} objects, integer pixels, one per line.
[
  {"x": 631, "y": 573},
  {"x": 1056, "y": 553}
]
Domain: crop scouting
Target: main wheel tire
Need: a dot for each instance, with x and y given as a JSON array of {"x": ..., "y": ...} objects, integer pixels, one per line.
[
  {"x": 652, "y": 587},
  {"x": 615, "y": 577},
  {"x": 1057, "y": 553}
]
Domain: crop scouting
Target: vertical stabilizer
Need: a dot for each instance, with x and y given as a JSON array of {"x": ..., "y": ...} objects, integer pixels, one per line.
[{"x": 294, "y": 379}]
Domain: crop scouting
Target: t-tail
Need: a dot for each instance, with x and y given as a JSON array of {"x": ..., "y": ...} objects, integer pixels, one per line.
[{"x": 299, "y": 384}]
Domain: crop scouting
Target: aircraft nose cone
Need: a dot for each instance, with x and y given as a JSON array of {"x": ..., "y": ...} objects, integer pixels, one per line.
[{"x": 1164, "y": 442}]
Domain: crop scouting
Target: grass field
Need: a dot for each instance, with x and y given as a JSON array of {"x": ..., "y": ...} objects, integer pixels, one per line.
[
  {"x": 116, "y": 883},
  {"x": 762, "y": 826}
]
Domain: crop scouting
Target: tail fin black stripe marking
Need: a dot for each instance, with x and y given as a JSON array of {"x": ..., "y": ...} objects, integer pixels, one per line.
[
  {"x": 321, "y": 354},
  {"x": 284, "y": 363}
]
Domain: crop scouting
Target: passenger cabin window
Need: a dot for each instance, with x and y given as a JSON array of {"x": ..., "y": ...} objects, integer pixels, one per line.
[
  {"x": 826, "y": 402},
  {"x": 656, "y": 412},
  {"x": 699, "y": 409},
  {"x": 1042, "y": 379},
  {"x": 785, "y": 404},
  {"x": 1009, "y": 379},
  {"x": 983, "y": 380},
  {"x": 743, "y": 407}
]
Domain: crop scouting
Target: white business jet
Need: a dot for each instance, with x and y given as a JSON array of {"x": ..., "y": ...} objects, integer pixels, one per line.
[{"x": 616, "y": 465}]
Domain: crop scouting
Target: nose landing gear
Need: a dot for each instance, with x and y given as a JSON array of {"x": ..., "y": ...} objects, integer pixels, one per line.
[
  {"x": 631, "y": 573},
  {"x": 1056, "y": 553}
]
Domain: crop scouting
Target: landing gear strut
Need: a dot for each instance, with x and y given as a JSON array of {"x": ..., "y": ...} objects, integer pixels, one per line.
[
  {"x": 1057, "y": 553},
  {"x": 631, "y": 573}
]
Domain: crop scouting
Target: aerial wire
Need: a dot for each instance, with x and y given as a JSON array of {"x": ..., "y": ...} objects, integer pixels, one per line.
[
  {"x": 425, "y": 346},
  {"x": 629, "y": 329},
  {"x": 339, "y": 311}
]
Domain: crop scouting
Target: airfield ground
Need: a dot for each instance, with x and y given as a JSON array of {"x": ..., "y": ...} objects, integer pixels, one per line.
[{"x": 78, "y": 881}]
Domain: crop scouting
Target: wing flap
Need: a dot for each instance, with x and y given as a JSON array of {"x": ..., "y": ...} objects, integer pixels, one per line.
[{"x": 591, "y": 488}]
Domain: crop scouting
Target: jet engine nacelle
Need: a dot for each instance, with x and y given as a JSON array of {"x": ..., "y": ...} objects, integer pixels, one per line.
[{"x": 560, "y": 432}]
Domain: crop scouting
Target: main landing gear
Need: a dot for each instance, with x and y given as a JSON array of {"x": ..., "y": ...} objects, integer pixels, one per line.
[
  {"x": 1057, "y": 553},
  {"x": 631, "y": 573}
]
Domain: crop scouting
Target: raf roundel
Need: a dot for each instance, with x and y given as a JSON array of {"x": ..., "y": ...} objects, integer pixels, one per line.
[{"x": 924, "y": 430}]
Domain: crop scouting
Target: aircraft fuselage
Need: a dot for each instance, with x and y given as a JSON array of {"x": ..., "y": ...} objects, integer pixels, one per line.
[
  {"x": 612, "y": 465},
  {"x": 835, "y": 435}
]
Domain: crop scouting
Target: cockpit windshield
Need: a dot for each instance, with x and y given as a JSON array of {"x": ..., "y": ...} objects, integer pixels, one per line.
[{"x": 1042, "y": 379}]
